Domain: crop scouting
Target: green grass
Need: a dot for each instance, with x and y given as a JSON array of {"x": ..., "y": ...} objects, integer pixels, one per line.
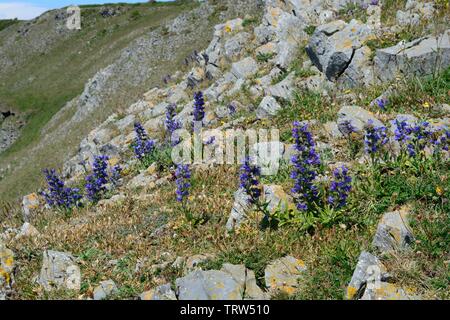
[
  {"x": 60, "y": 75},
  {"x": 7, "y": 22}
]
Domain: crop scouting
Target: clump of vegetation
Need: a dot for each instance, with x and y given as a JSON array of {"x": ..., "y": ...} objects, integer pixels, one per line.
[{"x": 7, "y": 22}]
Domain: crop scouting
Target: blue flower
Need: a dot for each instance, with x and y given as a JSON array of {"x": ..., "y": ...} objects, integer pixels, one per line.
[
  {"x": 340, "y": 187},
  {"x": 305, "y": 165},
  {"x": 143, "y": 146},
  {"x": 57, "y": 194},
  {"x": 249, "y": 180},
  {"x": 413, "y": 137},
  {"x": 232, "y": 108},
  {"x": 382, "y": 103},
  {"x": 199, "y": 106},
  {"x": 97, "y": 180},
  {"x": 375, "y": 138},
  {"x": 171, "y": 124},
  {"x": 183, "y": 176}
]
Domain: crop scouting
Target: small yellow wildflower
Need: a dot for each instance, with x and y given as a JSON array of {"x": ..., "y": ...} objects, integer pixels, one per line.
[{"x": 439, "y": 191}]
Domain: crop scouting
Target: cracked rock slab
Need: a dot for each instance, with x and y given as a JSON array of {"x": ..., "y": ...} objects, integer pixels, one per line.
[
  {"x": 245, "y": 68},
  {"x": 163, "y": 292},
  {"x": 393, "y": 232},
  {"x": 239, "y": 211},
  {"x": 59, "y": 270},
  {"x": 105, "y": 289},
  {"x": 369, "y": 269},
  {"x": 269, "y": 107},
  {"x": 419, "y": 57},
  {"x": 209, "y": 285},
  {"x": 332, "y": 46},
  {"x": 245, "y": 278},
  {"x": 358, "y": 118}
]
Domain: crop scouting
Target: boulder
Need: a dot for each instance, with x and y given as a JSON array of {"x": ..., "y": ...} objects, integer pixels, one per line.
[
  {"x": 59, "y": 270},
  {"x": 239, "y": 211},
  {"x": 290, "y": 34},
  {"x": 163, "y": 292},
  {"x": 30, "y": 203},
  {"x": 245, "y": 68},
  {"x": 393, "y": 232},
  {"x": 209, "y": 285},
  {"x": 267, "y": 156},
  {"x": 282, "y": 275},
  {"x": 357, "y": 117},
  {"x": 7, "y": 265},
  {"x": 232, "y": 26},
  {"x": 332, "y": 47},
  {"x": 416, "y": 58},
  {"x": 268, "y": 107},
  {"x": 192, "y": 263},
  {"x": 245, "y": 278},
  {"x": 236, "y": 44},
  {"x": 142, "y": 180},
  {"x": 387, "y": 291},
  {"x": 276, "y": 198},
  {"x": 283, "y": 89},
  {"x": 369, "y": 269},
  {"x": 27, "y": 231},
  {"x": 105, "y": 289},
  {"x": 126, "y": 124}
]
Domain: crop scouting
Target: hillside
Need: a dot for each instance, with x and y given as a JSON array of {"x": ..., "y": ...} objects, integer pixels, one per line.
[
  {"x": 45, "y": 68},
  {"x": 348, "y": 199}
]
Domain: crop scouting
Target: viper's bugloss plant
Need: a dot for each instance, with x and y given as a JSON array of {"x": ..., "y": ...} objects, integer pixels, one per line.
[
  {"x": 199, "y": 106},
  {"x": 374, "y": 139},
  {"x": 441, "y": 140},
  {"x": 382, "y": 103},
  {"x": 172, "y": 124},
  {"x": 97, "y": 180},
  {"x": 57, "y": 195},
  {"x": 183, "y": 177},
  {"x": 143, "y": 146},
  {"x": 249, "y": 177},
  {"x": 413, "y": 137},
  {"x": 305, "y": 165},
  {"x": 340, "y": 188}
]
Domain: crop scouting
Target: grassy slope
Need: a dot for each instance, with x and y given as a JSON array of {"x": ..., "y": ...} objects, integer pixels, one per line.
[
  {"x": 60, "y": 76},
  {"x": 6, "y": 23},
  {"x": 98, "y": 235},
  {"x": 122, "y": 232}
]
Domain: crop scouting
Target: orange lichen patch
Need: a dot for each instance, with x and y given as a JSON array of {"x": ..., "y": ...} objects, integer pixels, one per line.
[
  {"x": 9, "y": 261},
  {"x": 301, "y": 263},
  {"x": 351, "y": 292},
  {"x": 288, "y": 290},
  {"x": 148, "y": 295},
  {"x": 32, "y": 201},
  {"x": 5, "y": 275},
  {"x": 113, "y": 161}
]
